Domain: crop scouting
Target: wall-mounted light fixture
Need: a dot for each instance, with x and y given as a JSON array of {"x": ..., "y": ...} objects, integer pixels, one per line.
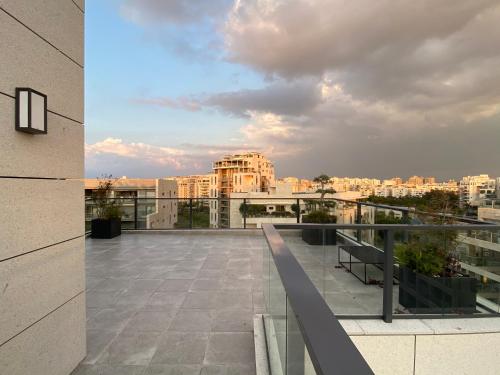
[{"x": 31, "y": 111}]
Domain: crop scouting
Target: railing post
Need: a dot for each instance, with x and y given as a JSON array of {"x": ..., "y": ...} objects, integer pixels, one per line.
[
  {"x": 358, "y": 220},
  {"x": 190, "y": 213},
  {"x": 388, "y": 275},
  {"x": 244, "y": 213},
  {"x": 298, "y": 211},
  {"x": 136, "y": 219}
]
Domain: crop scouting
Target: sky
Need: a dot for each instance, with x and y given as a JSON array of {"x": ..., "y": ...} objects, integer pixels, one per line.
[{"x": 348, "y": 88}]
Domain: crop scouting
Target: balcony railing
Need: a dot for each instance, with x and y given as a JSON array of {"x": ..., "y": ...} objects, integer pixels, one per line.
[{"x": 302, "y": 284}]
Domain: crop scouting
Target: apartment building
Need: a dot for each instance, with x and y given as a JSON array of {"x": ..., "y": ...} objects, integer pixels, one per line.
[
  {"x": 194, "y": 186},
  {"x": 473, "y": 189},
  {"x": 138, "y": 203},
  {"x": 42, "y": 236},
  {"x": 124, "y": 187},
  {"x": 299, "y": 185},
  {"x": 165, "y": 213},
  {"x": 249, "y": 172}
]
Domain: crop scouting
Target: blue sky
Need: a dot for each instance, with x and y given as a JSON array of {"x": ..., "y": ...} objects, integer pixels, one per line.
[
  {"x": 125, "y": 61},
  {"x": 323, "y": 86}
]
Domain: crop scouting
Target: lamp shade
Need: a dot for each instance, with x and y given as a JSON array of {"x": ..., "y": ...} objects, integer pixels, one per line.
[{"x": 31, "y": 111}]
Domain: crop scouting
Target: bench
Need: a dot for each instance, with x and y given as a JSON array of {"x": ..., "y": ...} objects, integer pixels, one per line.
[{"x": 365, "y": 254}]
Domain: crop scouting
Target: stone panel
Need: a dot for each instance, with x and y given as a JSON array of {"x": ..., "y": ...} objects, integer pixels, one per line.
[
  {"x": 37, "y": 213},
  {"x": 28, "y": 61},
  {"x": 57, "y": 154},
  {"x": 33, "y": 285},
  {"x": 57, "y": 21},
  {"x": 53, "y": 346}
]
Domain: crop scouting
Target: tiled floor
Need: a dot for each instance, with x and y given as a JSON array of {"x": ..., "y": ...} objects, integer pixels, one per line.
[{"x": 172, "y": 303}]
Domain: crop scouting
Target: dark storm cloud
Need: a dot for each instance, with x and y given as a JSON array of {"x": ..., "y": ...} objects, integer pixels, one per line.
[{"x": 364, "y": 87}]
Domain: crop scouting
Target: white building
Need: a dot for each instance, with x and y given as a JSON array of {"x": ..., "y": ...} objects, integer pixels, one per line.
[
  {"x": 474, "y": 188},
  {"x": 165, "y": 215}
]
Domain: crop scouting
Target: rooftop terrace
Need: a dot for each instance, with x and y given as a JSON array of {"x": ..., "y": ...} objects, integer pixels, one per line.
[{"x": 172, "y": 303}]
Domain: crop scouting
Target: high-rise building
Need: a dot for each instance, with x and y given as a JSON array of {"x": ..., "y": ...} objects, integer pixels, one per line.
[{"x": 241, "y": 173}]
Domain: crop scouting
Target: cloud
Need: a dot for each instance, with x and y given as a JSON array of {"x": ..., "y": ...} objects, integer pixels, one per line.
[
  {"x": 359, "y": 87},
  {"x": 116, "y": 157},
  {"x": 188, "y": 28},
  {"x": 188, "y": 104},
  {"x": 176, "y": 12}
]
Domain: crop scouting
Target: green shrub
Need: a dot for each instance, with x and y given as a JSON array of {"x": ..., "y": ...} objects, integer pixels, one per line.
[{"x": 321, "y": 217}]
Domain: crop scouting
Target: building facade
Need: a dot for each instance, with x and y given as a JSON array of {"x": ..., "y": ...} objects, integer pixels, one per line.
[
  {"x": 42, "y": 279},
  {"x": 138, "y": 202},
  {"x": 249, "y": 172},
  {"x": 195, "y": 186}
]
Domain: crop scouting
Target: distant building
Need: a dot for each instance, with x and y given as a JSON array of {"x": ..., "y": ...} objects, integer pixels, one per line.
[
  {"x": 141, "y": 213},
  {"x": 195, "y": 186},
  {"x": 165, "y": 214},
  {"x": 248, "y": 172},
  {"x": 473, "y": 189},
  {"x": 415, "y": 180}
]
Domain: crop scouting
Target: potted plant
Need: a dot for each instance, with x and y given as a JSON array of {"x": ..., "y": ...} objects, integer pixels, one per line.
[
  {"x": 315, "y": 236},
  {"x": 430, "y": 275},
  {"x": 321, "y": 216},
  {"x": 107, "y": 224}
]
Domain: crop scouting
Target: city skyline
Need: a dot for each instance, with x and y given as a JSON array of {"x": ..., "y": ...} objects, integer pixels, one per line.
[{"x": 379, "y": 103}]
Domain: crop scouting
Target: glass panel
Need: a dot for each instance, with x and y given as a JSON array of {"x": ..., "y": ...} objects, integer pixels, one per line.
[
  {"x": 182, "y": 220},
  {"x": 275, "y": 320},
  {"x": 201, "y": 213},
  {"x": 298, "y": 361}
]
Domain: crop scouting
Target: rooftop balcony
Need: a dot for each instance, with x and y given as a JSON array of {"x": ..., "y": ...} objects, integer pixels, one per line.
[
  {"x": 173, "y": 303},
  {"x": 190, "y": 302}
]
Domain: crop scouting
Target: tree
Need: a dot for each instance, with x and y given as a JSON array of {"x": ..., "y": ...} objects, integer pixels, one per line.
[{"x": 323, "y": 179}]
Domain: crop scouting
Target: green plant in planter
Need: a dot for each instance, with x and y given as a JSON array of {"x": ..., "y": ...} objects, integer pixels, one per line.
[
  {"x": 319, "y": 216},
  {"x": 106, "y": 208}
]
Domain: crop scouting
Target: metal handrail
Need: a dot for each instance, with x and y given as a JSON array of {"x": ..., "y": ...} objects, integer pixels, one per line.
[{"x": 329, "y": 347}]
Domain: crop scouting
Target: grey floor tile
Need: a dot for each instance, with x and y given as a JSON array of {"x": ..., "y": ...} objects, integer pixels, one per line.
[
  {"x": 181, "y": 348},
  {"x": 97, "y": 341},
  {"x": 113, "y": 319},
  {"x": 108, "y": 370},
  {"x": 96, "y": 298},
  {"x": 227, "y": 348},
  {"x": 200, "y": 300},
  {"x": 233, "y": 321},
  {"x": 175, "y": 285},
  {"x": 131, "y": 348},
  {"x": 165, "y": 300},
  {"x": 206, "y": 284},
  {"x": 234, "y": 300},
  {"x": 173, "y": 370},
  {"x": 234, "y": 369},
  {"x": 150, "y": 321},
  {"x": 192, "y": 321}
]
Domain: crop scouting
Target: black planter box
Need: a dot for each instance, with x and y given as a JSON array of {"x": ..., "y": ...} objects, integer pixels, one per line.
[
  {"x": 106, "y": 228},
  {"x": 315, "y": 236},
  {"x": 422, "y": 294}
]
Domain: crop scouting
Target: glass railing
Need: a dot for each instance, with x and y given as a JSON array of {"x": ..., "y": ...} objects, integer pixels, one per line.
[
  {"x": 303, "y": 336},
  {"x": 417, "y": 269}
]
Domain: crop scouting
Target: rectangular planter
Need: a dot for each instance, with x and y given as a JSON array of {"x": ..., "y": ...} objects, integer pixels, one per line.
[
  {"x": 315, "y": 236},
  {"x": 422, "y": 294},
  {"x": 106, "y": 228}
]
